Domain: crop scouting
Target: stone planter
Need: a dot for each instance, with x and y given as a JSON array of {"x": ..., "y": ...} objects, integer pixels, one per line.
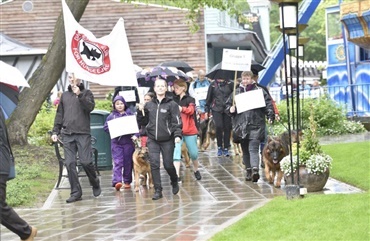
[{"x": 313, "y": 182}]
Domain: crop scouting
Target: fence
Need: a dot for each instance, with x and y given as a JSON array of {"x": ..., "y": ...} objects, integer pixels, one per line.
[{"x": 355, "y": 98}]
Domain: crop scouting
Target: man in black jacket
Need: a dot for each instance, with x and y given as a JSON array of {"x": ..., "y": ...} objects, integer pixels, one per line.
[
  {"x": 72, "y": 121},
  {"x": 9, "y": 218}
]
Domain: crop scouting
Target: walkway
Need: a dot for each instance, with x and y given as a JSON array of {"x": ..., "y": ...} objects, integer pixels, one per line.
[{"x": 201, "y": 209}]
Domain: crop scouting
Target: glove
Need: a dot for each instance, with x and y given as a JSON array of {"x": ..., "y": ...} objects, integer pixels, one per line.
[{"x": 177, "y": 140}]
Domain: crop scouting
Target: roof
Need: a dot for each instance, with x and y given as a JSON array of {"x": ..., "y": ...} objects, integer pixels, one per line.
[{"x": 12, "y": 47}]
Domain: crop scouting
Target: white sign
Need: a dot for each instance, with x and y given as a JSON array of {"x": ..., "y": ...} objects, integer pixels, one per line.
[
  {"x": 123, "y": 126},
  {"x": 250, "y": 100},
  {"x": 201, "y": 93},
  {"x": 237, "y": 60},
  {"x": 128, "y": 95},
  {"x": 142, "y": 91}
]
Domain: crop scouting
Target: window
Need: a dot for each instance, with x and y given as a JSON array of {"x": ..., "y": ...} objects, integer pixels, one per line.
[
  {"x": 334, "y": 26},
  {"x": 364, "y": 54}
]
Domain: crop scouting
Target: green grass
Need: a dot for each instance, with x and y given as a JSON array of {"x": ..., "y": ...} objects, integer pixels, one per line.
[
  {"x": 315, "y": 217},
  {"x": 36, "y": 174},
  {"x": 350, "y": 163}
]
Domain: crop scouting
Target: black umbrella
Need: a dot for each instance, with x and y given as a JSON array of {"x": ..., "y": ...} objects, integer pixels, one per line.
[
  {"x": 256, "y": 67},
  {"x": 181, "y": 65},
  {"x": 218, "y": 73}
]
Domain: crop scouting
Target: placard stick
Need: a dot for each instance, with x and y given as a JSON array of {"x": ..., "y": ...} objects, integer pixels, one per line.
[{"x": 236, "y": 74}]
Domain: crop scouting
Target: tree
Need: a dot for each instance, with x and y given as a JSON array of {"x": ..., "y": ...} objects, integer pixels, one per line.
[
  {"x": 43, "y": 79},
  {"x": 53, "y": 63}
]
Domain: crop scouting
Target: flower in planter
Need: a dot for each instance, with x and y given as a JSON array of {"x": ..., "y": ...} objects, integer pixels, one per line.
[
  {"x": 316, "y": 164},
  {"x": 310, "y": 154}
]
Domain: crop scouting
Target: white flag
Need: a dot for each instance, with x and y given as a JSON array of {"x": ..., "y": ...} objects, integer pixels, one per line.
[{"x": 106, "y": 60}]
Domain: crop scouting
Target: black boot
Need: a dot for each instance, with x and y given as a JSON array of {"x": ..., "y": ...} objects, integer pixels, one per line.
[
  {"x": 248, "y": 176},
  {"x": 175, "y": 187},
  {"x": 255, "y": 174},
  {"x": 157, "y": 194}
]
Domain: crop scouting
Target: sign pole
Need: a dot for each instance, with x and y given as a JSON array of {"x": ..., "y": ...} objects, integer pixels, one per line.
[{"x": 235, "y": 75}]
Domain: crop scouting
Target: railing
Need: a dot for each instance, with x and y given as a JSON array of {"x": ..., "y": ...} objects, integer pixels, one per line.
[{"x": 355, "y": 98}]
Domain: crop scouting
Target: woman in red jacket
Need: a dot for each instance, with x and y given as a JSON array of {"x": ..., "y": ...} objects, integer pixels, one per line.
[{"x": 189, "y": 127}]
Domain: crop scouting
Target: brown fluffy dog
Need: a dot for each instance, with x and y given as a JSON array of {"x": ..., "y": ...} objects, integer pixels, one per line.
[
  {"x": 210, "y": 133},
  {"x": 185, "y": 154},
  {"x": 142, "y": 167},
  {"x": 274, "y": 151}
]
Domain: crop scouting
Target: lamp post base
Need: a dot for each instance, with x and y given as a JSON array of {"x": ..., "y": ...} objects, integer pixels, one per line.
[{"x": 292, "y": 191}]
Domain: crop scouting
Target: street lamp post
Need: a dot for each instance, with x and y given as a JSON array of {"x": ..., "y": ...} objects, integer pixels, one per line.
[{"x": 288, "y": 10}]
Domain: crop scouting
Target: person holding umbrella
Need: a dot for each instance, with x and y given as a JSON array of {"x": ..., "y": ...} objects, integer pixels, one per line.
[
  {"x": 164, "y": 128},
  {"x": 9, "y": 218},
  {"x": 249, "y": 126},
  {"x": 218, "y": 92}
]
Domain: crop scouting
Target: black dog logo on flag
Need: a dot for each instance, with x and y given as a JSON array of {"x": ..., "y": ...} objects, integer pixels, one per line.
[{"x": 92, "y": 56}]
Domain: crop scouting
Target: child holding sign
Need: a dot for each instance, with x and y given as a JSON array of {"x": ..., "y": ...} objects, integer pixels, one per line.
[
  {"x": 249, "y": 121},
  {"x": 122, "y": 146}
]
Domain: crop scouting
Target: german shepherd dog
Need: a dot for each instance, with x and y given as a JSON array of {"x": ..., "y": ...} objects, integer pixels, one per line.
[
  {"x": 274, "y": 151},
  {"x": 211, "y": 135},
  {"x": 142, "y": 167}
]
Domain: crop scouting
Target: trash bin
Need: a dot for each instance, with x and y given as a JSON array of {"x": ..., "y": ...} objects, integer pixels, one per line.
[{"x": 102, "y": 139}]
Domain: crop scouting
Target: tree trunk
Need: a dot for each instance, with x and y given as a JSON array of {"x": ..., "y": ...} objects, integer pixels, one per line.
[{"x": 43, "y": 79}]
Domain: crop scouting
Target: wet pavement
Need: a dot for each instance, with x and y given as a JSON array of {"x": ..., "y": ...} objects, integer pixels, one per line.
[{"x": 200, "y": 210}]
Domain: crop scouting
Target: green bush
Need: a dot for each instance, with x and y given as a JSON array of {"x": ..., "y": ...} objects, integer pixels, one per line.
[
  {"x": 329, "y": 116},
  {"x": 103, "y": 105},
  {"x": 44, "y": 122}
]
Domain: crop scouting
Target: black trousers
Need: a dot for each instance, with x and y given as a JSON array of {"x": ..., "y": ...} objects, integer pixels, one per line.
[
  {"x": 9, "y": 218},
  {"x": 80, "y": 143},
  {"x": 166, "y": 148},
  {"x": 223, "y": 128},
  {"x": 250, "y": 148}
]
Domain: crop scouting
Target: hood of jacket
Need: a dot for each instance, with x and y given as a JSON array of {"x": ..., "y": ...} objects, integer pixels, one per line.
[{"x": 117, "y": 98}]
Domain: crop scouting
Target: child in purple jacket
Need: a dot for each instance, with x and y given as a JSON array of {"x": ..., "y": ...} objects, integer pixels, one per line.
[{"x": 122, "y": 147}]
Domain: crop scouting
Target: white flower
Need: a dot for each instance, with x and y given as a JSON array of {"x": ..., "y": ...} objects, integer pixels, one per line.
[{"x": 316, "y": 164}]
